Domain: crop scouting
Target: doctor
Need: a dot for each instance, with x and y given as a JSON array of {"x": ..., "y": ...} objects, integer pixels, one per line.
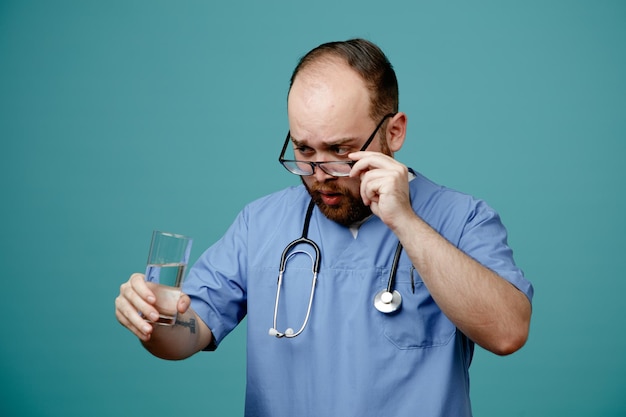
[{"x": 455, "y": 273}]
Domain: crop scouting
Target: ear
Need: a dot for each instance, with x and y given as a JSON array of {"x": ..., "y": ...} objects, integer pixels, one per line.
[{"x": 396, "y": 131}]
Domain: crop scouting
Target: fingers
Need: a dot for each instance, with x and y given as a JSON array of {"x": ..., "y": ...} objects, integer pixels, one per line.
[
  {"x": 372, "y": 188},
  {"x": 384, "y": 184},
  {"x": 366, "y": 161},
  {"x": 134, "y": 304},
  {"x": 379, "y": 174}
]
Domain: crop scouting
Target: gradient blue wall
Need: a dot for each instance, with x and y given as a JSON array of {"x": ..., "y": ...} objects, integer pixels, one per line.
[{"x": 120, "y": 117}]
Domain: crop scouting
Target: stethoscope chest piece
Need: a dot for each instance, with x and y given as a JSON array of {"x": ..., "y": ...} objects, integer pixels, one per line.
[{"x": 387, "y": 302}]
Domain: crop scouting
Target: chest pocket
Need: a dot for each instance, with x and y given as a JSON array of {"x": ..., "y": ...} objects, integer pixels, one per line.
[{"x": 419, "y": 323}]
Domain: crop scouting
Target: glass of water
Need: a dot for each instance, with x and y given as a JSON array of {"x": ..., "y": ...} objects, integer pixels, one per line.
[{"x": 167, "y": 261}]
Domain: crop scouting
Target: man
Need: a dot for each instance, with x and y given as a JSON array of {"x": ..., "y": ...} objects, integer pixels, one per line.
[{"x": 330, "y": 352}]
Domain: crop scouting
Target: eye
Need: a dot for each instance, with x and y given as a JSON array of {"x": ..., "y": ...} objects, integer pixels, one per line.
[
  {"x": 303, "y": 150},
  {"x": 340, "y": 150}
]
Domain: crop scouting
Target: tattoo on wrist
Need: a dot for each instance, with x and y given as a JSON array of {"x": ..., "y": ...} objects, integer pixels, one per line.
[{"x": 191, "y": 324}]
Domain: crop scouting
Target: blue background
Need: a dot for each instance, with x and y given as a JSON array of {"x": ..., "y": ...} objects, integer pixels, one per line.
[{"x": 120, "y": 117}]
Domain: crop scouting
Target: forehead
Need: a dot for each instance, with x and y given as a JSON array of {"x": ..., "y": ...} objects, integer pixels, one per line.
[{"x": 328, "y": 100}]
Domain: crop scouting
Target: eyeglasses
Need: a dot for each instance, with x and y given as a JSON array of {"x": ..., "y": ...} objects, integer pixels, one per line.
[{"x": 334, "y": 168}]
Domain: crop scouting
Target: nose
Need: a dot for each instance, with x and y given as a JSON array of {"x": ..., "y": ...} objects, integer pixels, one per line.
[{"x": 320, "y": 175}]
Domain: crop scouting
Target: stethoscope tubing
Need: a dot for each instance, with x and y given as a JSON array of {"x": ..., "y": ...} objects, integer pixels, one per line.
[
  {"x": 385, "y": 301},
  {"x": 394, "y": 268},
  {"x": 299, "y": 241},
  {"x": 289, "y": 332},
  {"x": 315, "y": 261}
]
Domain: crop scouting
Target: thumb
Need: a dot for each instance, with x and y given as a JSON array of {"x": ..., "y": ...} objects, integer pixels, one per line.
[{"x": 183, "y": 303}]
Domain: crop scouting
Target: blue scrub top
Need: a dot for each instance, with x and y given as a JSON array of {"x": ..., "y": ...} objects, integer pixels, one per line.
[{"x": 351, "y": 360}]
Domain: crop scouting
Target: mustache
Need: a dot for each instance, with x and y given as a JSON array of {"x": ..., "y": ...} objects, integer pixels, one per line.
[
  {"x": 351, "y": 209},
  {"x": 328, "y": 187}
]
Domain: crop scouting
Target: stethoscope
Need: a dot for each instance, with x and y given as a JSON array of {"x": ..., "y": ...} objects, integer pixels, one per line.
[{"x": 386, "y": 301}]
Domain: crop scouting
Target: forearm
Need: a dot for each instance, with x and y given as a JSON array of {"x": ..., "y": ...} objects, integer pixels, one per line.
[
  {"x": 485, "y": 307},
  {"x": 188, "y": 336}
]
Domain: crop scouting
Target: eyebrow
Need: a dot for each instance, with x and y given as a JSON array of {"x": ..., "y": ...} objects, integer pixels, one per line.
[{"x": 338, "y": 142}]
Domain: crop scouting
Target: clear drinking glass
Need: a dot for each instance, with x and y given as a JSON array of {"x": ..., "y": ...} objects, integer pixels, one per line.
[{"x": 167, "y": 261}]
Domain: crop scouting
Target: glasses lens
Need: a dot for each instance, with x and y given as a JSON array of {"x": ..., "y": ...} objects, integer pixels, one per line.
[
  {"x": 298, "y": 168},
  {"x": 337, "y": 168}
]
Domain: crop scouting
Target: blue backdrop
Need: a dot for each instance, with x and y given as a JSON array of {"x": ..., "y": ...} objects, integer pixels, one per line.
[{"x": 120, "y": 117}]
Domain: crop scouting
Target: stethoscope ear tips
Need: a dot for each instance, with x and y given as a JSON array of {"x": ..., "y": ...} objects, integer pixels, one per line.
[
  {"x": 387, "y": 302},
  {"x": 276, "y": 333}
]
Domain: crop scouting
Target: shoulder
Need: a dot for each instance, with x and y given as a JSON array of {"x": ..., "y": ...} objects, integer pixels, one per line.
[
  {"x": 428, "y": 196},
  {"x": 447, "y": 210}
]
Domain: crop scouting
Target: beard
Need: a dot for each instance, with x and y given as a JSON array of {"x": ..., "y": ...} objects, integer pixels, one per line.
[{"x": 350, "y": 209}]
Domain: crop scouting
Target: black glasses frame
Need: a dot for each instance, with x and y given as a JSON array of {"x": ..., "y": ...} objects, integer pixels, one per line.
[{"x": 322, "y": 165}]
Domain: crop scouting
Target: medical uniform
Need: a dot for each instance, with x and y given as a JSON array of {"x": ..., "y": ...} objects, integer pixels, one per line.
[{"x": 351, "y": 359}]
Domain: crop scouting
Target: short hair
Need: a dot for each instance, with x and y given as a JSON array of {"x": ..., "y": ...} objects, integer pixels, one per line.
[{"x": 369, "y": 61}]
